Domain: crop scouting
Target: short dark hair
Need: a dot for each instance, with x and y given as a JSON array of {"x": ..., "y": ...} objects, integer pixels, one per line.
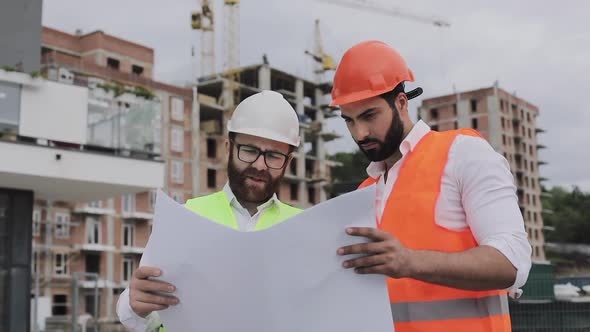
[
  {"x": 391, "y": 95},
  {"x": 232, "y": 136}
]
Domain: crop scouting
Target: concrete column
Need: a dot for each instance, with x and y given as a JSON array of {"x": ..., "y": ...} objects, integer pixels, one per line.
[
  {"x": 50, "y": 222},
  {"x": 321, "y": 149},
  {"x": 264, "y": 77},
  {"x": 495, "y": 126},
  {"x": 196, "y": 142},
  {"x": 110, "y": 259}
]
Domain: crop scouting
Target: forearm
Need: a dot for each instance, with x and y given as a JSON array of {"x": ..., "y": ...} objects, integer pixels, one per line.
[{"x": 479, "y": 268}]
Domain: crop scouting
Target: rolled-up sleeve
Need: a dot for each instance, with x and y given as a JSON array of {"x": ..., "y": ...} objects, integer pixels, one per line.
[
  {"x": 127, "y": 317},
  {"x": 488, "y": 196}
]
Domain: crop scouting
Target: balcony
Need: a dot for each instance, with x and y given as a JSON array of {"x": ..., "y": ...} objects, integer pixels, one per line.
[
  {"x": 132, "y": 250},
  {"x": 93, "y": 247},
  {"x": 87, "y": 209},
  {"x": 136, "y": 215},
  {"x": 75, "y": 159}
]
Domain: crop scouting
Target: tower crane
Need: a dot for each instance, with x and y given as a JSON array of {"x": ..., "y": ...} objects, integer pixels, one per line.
[{"x": 325, "y": 63}]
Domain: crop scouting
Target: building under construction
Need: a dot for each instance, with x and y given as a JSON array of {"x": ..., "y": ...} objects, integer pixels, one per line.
[
  {"x": 509, "y": 123},
  {"x": 132, "y": 115}
]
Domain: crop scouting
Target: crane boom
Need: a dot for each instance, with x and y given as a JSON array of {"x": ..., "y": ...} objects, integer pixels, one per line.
[{"x": 391, "y": 11}]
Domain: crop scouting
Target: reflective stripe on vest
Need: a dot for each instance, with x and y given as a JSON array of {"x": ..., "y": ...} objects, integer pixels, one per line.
[
  {"x": 409, "y": 215},
  {"x": 450, "y": 309}
]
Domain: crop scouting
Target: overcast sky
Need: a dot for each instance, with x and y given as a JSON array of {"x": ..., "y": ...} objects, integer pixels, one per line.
[{"x": 538, "y": 49}]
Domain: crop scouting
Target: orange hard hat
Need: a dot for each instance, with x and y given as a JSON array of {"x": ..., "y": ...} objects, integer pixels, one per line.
[{"x": 369, "y": 69}]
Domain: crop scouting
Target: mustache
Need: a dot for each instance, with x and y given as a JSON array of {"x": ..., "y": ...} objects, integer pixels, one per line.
[
  {"x": 369, "y": 140},
  {"x": 252, "y": 172}
]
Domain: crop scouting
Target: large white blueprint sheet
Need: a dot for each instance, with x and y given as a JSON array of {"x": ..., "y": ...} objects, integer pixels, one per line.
[{"x": 285, "y": 278}]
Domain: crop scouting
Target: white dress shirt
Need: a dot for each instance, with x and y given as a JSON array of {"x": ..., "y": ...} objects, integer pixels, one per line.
[
  {"x": 477, "y": 192},
  {"x": 246, "y": 223}
]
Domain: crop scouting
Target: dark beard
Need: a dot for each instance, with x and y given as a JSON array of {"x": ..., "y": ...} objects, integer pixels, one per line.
[
  {"x": 393, "y": 139},
  {"x": 246, "y": 193}
]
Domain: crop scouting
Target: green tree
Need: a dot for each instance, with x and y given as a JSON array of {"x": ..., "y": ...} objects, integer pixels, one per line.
[{"x": 569, "y": 214}]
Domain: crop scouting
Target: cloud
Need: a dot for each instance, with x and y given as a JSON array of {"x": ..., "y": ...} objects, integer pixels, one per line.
[{"x": 537, "y": 48}]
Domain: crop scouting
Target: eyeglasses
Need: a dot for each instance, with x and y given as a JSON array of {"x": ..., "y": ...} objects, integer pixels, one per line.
[{"x": 272, "y": 159}]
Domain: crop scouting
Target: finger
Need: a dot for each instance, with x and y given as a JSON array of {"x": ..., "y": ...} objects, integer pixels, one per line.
[
  {"x": 145, "y": 308},
  {"x": 153, "y": 286},
  {"x": 362, "y": 248},
  {"x": 366, "y": 261},
  {"x": 145, "y": 272},
  {"x": 155, "y": 299},
  {"x": 368, "y": 232},
  {"x": 375, "y": 269}
]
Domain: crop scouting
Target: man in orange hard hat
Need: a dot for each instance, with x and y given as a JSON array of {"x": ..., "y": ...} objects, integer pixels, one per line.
[{"x": 450, "y": 235}]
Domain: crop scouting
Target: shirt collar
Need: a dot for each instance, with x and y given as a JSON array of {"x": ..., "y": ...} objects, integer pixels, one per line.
[
  {"x": 233, "y": 201},
  {"x": 419, "y": 130}
]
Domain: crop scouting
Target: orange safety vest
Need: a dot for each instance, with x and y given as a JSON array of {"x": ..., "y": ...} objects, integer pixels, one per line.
[{"x": 409, "y": 215}]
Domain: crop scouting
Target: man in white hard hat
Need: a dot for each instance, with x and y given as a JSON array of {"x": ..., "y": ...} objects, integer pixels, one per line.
[{"x": 263, "y": 132}]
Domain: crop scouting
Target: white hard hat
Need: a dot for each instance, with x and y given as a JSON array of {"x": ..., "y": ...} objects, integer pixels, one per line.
[{"x": 266, "y": 114}]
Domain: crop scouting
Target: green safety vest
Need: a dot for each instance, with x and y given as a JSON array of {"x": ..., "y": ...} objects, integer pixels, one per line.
[{"x": 217, "y": 208}]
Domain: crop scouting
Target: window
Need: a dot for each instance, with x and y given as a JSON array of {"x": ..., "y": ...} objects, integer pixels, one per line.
[
  {"x": 537, "y": 251},
  {"x": 211, "y": 148},
  {"x": 211, "y": 178},
  {"x": 137, "y": 70},
  {"x": 128, "y": 234},
  {"x": 35, "y": 262},
  {"x": 535, "y": 216},
  {"x": 177, "y": 196},
  {"x": 36, "y": 222},
  {"x": 294, "y": 191},
  {"x": 530, "y": 133},
  {"x": 177, "y": 109},
  {"x": 535, "y": 200},
  {"x": 93, "y": 230},
  {"x": 536, "y": 234},
  {"x": 455, "y": 109},
  {"x": 522, "y": 114},
  {"x": 434, "y": 114},
  {"x": 153, "y": 195},
  {"x": 531, "y": 150},
  {"x": 60, "y": 305},
  {"x": 92, "y": 262},
  {"x": 434, "y": 127},
  {"x": 528, "y": 117},
  {"x": 474, "y": 123},
  {"x": 177, "y": 171},
  {"x": 61, "y": 264},
  {"x": 528, "y": 216},
  {"x": 455, "y": 125},
  {"x": 504, "y": 139},
  {"x": 503, "y": 123},
  {"x": 502, "y": 104},
  {"x": 127, "y": 268},
  {"x": 95, "y": 204},
  {"x": 311, "y": 195},
  {"x": 177, "y": 143},
  {"x": 62, "y": 225},
  {"x": 473, "y": 105},
  {"x": 128, "y": 203},
  {"x": 113, "y": 63},
  {"x": 532, "y": 166}
]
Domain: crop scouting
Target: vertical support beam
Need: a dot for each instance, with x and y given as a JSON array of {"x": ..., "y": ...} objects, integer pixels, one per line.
[
  {"x": 299, "y": 108},
  {"x": 48, "y": 254},
  {"x": 196, "y": 141},
  {"x": 110, "y": 259},
  {"x": 320, "y": 148},
  {"x": 264, "y": 77}
]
